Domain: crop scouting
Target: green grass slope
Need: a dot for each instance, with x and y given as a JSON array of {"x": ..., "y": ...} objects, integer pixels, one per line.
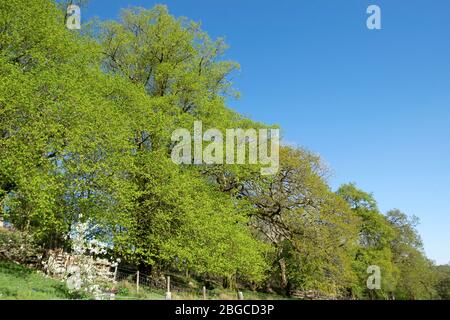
[{"x": 21, "y": 283}]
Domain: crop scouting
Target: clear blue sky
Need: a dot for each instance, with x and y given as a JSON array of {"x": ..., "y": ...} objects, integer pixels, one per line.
[{"x": 374, "y": 104}]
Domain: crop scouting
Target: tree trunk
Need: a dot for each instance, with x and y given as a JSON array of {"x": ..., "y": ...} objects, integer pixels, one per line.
[{"x": 284, "y": 280}]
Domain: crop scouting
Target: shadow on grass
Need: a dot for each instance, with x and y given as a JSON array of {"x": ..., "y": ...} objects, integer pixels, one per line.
[
  {"x": 8, "y": 293},
  {"x": 15, "y": 270},
  {"x": 63, "y": 292}
]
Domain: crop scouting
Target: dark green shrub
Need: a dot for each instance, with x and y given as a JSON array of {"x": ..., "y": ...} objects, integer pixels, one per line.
[{"x": 19, "y": 247}]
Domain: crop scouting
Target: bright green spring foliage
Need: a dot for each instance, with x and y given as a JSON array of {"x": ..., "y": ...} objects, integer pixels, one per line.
[
  {"x": 417, "y": 279},
  {"x": 373, "y": 244},
  {"x": 391, "y": 242},
  {"x": 442, "y": 274},
  {"x": 309, "y": 226},
  {"x": 79, "y": 143}
]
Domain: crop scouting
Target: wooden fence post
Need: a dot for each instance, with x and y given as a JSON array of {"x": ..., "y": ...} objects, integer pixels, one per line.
[
  {"x": 240, "y": 296},
  {"x": 168, "y": 293},
  {"x": 204, "y": 293},
  {"x": 137, "y": 281},
  {"x": 115, "y": 273}
]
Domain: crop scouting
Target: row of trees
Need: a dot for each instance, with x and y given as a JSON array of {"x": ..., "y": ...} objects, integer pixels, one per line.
[{"x": 85, "y": 135}]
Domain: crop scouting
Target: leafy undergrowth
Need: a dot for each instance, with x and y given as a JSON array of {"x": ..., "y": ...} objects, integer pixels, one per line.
[{"x": 21, "y": 283}]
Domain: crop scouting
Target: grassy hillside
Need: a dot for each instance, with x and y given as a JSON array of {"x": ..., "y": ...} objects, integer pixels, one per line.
[{"x": 21, "y": 283}]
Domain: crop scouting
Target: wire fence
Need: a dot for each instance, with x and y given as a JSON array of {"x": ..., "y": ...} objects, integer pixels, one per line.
[
  {"x": 165, "y": 288},
  {"x": 139, "y": 278}
]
